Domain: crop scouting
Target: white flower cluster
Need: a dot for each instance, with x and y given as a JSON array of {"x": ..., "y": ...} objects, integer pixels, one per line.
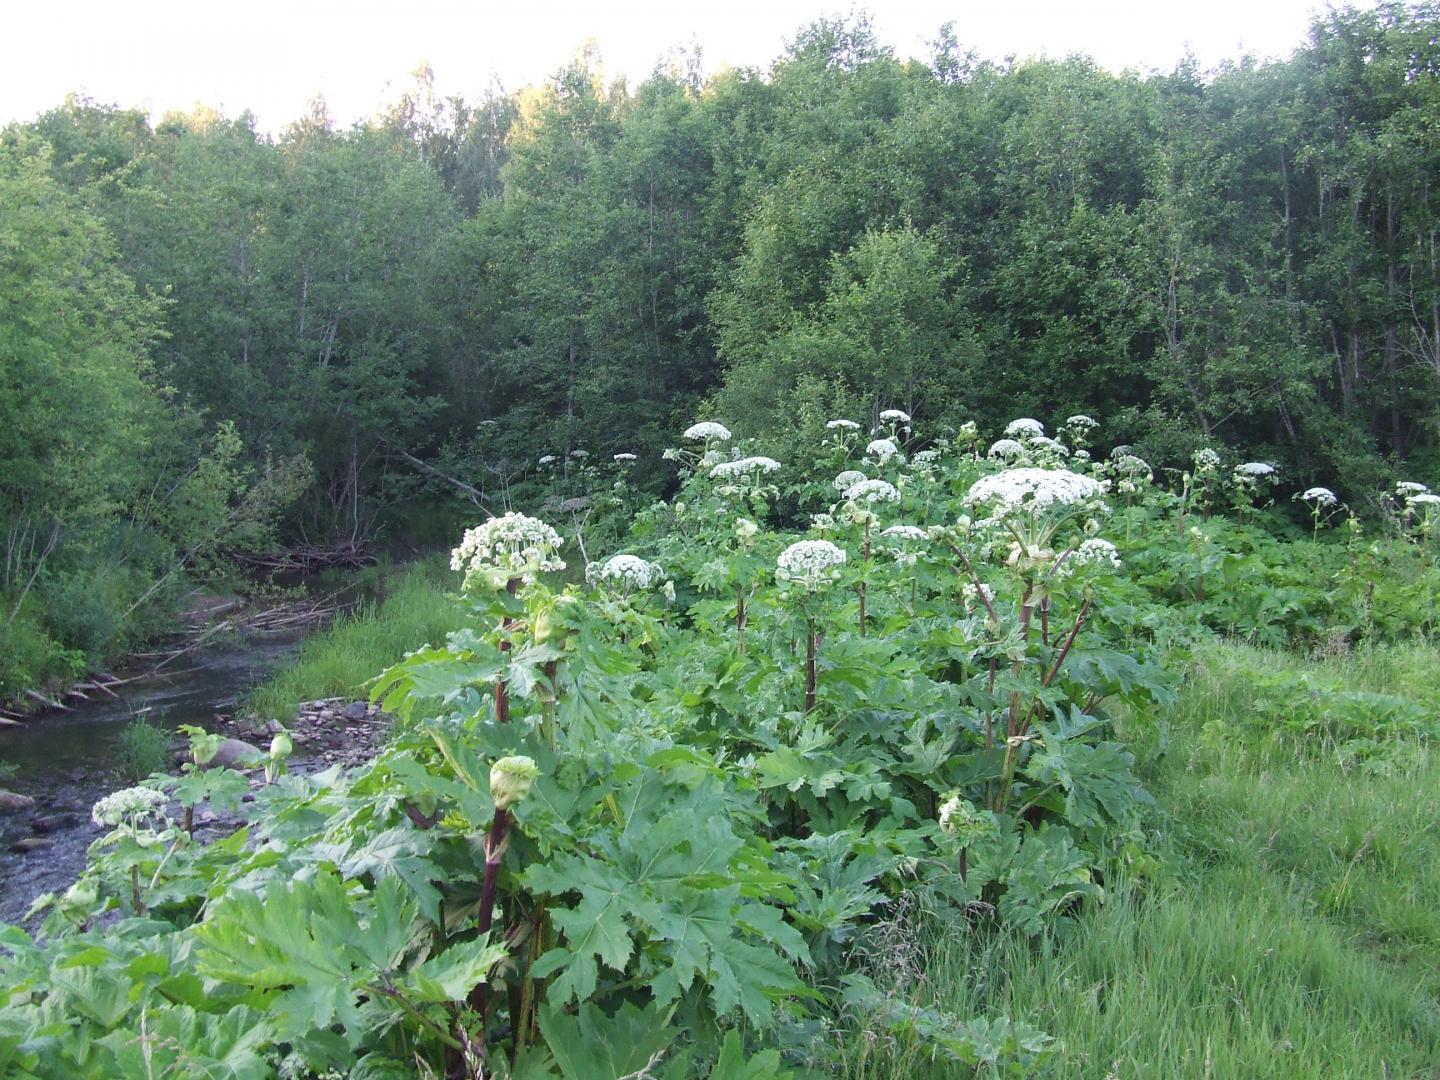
[
  {"x": 127, "y": 806},
  {"x": 1206, "y": 460},
  {"x": 730, "y": 470},
  {"x": 1006, "y": 448},
  {"x": 984, "y": 594},
  {"x": 1254, "y": 470},
  {"x": 1081, "y": 421},
  {"x": 1137, "y": 468},
  {"x": 883, "y": 449},
  {"x": 1319, "y": 496},
  {"x": 1096, "y": 551},
  {"x": 1425, "y": 498},
  {"x": 907, "y": 534},
  {"x": 547, "y": 459},
  {"x": 1410, "y": 487},
  {"x": 624, "y": 457},
  {"x": 810, "y": 563},
  {"x": 1045, "y": 444},
  {"x": 897, "y": 416},
  {"x": 580, "y": 455},
  {"x": 847, "y": 479},
  {"x": 872, "y": 491},
  {"x": 626, "y": 571},
  {"x": 843, "y": 425},
  {"x": 1032, "y": 490},
  {"x": 1025, "y": 428},
  {"x": 510, "y": 546},
  {"x": 926, "y": 457},
  {"x": 708, "y": 429}
]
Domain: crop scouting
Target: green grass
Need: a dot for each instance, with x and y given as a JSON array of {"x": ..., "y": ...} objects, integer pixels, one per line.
[
  {"x": 1295, "y": 932},
  {"x": 144, "y": 749},
  {"x": 338, "y": 662}
]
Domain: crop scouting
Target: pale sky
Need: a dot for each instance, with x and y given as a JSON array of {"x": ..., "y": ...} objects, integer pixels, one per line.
[{"x": 272, "y": 56}]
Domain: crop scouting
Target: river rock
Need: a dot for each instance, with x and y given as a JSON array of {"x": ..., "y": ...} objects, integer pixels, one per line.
[
  {"x": 31, "y": 843},
  {"x": 10, "y": 802},
  {"x": 237, "y": 752},
  {"x": 52, "y": 822},
  {"x": 356, "y": 710}
]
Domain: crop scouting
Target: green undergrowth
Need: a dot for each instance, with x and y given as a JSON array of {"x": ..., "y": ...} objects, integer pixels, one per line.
[
  {"x": 1291, "y": 931},
  {"x": 417, "y": 607}
]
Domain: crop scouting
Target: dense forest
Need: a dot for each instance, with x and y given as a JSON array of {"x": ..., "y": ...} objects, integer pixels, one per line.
[{"x": 214, "y": 340}]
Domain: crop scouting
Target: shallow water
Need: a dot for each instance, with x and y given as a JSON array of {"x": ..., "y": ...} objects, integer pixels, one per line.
[{"x": 69, "y": 760}]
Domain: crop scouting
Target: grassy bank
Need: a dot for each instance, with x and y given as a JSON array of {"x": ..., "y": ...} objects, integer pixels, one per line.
[
  {"x": 1292, "y": 931},
  {"x": 416, "y": 608}
]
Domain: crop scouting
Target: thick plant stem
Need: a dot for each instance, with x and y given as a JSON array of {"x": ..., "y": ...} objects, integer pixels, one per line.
[
  {"x": 1012, "y": 726},
  {"x": 502, "y": 692},
  {"x": 495, "y": 845},
  {"x": 740, "y": 616},
  {"x": 809, "y": 665},
  {"x": 135, "y": 890},
  {"x": 862, "y": 584}
]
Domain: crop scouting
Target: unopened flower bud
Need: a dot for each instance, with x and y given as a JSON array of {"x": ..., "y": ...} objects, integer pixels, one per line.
[{"x": 511, "y": 779}]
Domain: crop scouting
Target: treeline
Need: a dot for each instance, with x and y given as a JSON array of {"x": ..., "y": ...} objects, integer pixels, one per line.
[{"x": 212, "y": 337}]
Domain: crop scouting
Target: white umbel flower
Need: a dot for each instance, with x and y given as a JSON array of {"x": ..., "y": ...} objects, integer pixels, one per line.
[
  {"x": 910, "y": 534},
  {"x": 128, "y": 806},
  {"x": 1005, "y": 449},
  {"x": 872, "y": 491},
  {"x": 626, "y": 571},
  {"x": 883, "y": 449},
  {"x": 1206, "y": 460},
  {"x": 1255, "y": 470},
  {"x": 1410, "y": 487},
  {"x": 1081, "y": 421},
  {"x": 580, "y": 455},
  {"x": 1032, "y": 490},
  {"x": 1319, "y": 496},
  {"x": 708, "y": 429},
  {"x": 848, "y": 479},
  {"x": 624, "y": 457},
  {"x": 730, "y": 470},
  {"x": 1046, "y": 444},
  {"x": 810, "y": 563},
  {"x": 897, "y": 416},
  {"x": 1025, "y": 428},
  {"x": 1096, "y": 552},
  {"x": 547, "y": 459},
  {"x": 1425, "y": 498},
  {"x": 843, "y": 425},
  {"x": 510, "y": 546}
]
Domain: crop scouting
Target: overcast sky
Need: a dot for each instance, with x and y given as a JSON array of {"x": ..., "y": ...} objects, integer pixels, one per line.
[{"x": 272, "y": 56}]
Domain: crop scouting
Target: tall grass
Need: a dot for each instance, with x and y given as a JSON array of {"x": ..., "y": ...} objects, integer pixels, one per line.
[
  {"x": 338, "y": 662},
  {"x": 1294, "y": 932}
]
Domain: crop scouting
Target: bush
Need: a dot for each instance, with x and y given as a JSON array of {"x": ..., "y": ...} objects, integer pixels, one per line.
[{"x": 144, "y": 748}]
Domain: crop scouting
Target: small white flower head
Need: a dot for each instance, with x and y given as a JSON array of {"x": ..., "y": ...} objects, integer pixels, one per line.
[
  {"x": 1206, "y": 461},
  {"x": 670, "y": 454},
  {"x": 511, "y": 779},
  {"x": 1425, "y": 498},
  {"x": 625, "y": 572},
  {"x": 843, "y": 425},
  {"x": 982, "y": 596},
  {"x": 707, "y": 430},
  {"x": 848, "y": 479},
  {"x": 895, "y": 416},
  {"x": 1082, "y": 455},
  {"x": 810, "y": 563},
  {"x": 1254, "y": 470},
  {"x": 548, "y": 459},
  {"x": 1081, "y": 422},
  {"x": 1135, "y": 469},
  {"x": 732, "y": 470},
  {"x": 1045, "y": 445},
  {"x": 510, "y": 546},
  {"x": 1025, "y": 429},
  {"x": 968, "y": 431},
  {"x": 746, "y": 530},
  {"x": 963, "y": 821},
  {"x": 1095, "y": 552},
  {"x": 624, "y": 457},
  {"x": 580, "y": 455},
  {"x": 669, "y": 591},
  {"x": 908, "y": 534},
  {"x": 1005, "y": 449},
  {"x": 1123, "y": 450},
  {"x": 128, "y": 806},
  {"x": 1019, "y": 491},
  {"x": 1410, "y": 487},
  {"x": 1320, "y": 496},
  {"x": 872, "y": 491},
  {"x": 926, "y": 457},
  {"x": 881, "y": 449}
]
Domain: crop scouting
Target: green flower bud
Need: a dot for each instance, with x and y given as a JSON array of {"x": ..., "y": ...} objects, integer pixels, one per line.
[
  {"x": 281, "y": 746},
  {"x": 511, "y": 779}
]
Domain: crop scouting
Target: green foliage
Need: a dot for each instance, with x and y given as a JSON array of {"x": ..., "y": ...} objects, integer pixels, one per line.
[{"x": 144, "y": 749}]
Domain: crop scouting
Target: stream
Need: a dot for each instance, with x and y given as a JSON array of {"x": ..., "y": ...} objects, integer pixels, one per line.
[{"x": 68, "y": 760}]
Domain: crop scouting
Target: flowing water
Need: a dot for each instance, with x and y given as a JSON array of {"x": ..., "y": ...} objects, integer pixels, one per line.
[{"x": 69, "y": 760}]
